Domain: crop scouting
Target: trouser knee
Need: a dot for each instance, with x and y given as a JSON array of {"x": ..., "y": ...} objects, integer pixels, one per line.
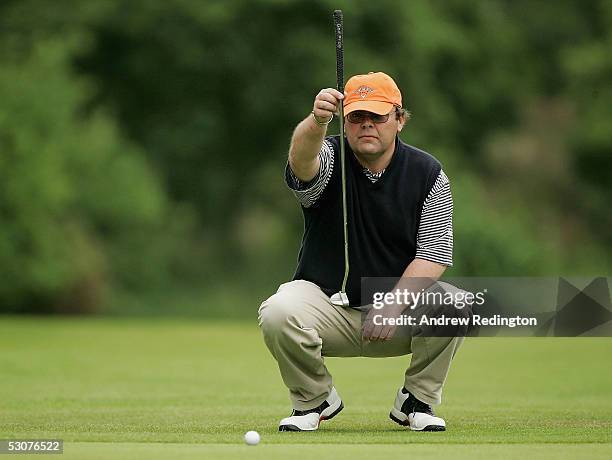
[{"x": 276, "y": 313}]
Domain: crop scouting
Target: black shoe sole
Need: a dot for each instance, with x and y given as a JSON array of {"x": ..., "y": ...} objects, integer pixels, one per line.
[
  {"x": 334, "y": 413},
  {"x": 407, "y": 423},
  {"x": 434, "y": 428},
  {"x": 288, "y": 428},
  {"x": 397, "y": 420},
  {"x": 327, "y": 417}
]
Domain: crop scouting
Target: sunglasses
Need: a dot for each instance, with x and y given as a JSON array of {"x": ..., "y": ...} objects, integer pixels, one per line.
[{"x": 359, "y": 116}]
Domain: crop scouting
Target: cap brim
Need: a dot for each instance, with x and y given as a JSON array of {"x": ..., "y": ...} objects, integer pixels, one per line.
[{"x": 380, "y": 108}]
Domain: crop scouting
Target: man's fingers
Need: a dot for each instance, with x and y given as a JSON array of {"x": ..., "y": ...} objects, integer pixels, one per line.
[
  {"x": 325, "y": 106},
  {"x": 389, "y": 333},
  {"x": 376, "y": 333},
  {"x": 368, "y": 327},
  {"x": 326, "y": 102},
  {"x": 330, "y": 95},
  {"x": 333, "y": 92}
]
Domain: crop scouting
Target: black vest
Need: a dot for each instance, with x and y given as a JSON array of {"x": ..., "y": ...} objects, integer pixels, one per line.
[{"x": 383, "y": 220}]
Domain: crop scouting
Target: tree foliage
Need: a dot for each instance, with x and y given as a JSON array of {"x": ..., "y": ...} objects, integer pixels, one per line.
[{"x": 143, "y": 140}]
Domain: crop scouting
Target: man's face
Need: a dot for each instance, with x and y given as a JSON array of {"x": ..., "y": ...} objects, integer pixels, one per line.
[{"x": 369, "y": 136}]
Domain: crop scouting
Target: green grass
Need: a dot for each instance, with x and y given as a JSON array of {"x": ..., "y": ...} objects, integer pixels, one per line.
[{"x": 143, "y": 388}]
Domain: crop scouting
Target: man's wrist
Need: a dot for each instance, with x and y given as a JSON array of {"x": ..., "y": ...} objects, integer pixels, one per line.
[{"x": 321, "y": 121}]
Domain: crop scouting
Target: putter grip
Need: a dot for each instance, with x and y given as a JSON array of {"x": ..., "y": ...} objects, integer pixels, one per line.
[{"x": 339, "y": 49}]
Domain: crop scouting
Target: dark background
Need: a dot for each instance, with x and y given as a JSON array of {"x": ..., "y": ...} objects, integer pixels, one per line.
[{"x": 142, "y": 143}]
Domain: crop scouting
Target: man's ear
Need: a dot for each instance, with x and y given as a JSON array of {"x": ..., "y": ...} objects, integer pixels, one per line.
[{"x": 401, "y": 122}]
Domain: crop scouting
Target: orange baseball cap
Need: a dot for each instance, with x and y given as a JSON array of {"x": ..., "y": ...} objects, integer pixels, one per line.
[{"x": 374, "y": 92}]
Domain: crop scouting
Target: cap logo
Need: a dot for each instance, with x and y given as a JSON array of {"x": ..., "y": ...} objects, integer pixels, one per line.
[{"x": 363, "y": 91}]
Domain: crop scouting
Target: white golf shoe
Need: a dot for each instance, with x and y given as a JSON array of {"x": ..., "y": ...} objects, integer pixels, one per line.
[
  {"x": 409, "y": 411},
  {"x": 309, "y": 420}
]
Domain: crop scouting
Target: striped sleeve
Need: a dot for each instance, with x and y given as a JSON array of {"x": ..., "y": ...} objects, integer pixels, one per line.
[
  {"x": 309, "y": 192},
  {"x": 435, "y": 234}
]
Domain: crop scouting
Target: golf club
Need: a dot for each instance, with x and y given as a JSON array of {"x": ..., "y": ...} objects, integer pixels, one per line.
[{"x": 340, "y": 299}]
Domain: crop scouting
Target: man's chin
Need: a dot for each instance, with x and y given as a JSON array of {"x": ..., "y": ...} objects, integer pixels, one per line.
[{"x": 369, "y": 152}]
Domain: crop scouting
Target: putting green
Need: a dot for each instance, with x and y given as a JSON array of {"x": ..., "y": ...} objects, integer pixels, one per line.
[{"x": 156, "y": 388}]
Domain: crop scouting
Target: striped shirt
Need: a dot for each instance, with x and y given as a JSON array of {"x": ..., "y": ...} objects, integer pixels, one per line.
[{"x": 435, "y": 233}]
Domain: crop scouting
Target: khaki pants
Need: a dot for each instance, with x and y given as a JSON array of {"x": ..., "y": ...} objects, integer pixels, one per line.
[{"x": 301, "y": 326}]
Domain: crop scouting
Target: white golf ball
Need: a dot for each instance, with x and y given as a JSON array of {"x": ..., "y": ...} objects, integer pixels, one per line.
[{"x": 252, "y": 438}]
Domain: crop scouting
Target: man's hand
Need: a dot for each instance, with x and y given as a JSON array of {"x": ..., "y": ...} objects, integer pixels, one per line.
[
  {"x": 326, "y": 103},
  {"x": 385, "y": 332},
  {"x": 308, "y": 136}
]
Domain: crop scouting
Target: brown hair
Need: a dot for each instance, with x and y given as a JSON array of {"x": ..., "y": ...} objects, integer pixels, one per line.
[{"x": 402, "y": 112}]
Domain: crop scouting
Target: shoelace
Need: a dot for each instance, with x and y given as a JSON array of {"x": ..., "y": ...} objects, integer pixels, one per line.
[
  {"x": 318, "y": 410},
  {"x": 420, "y": 406}
]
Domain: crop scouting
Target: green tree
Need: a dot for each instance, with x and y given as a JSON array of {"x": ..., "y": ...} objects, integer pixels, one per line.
[{"x": 72, "y": 191}]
